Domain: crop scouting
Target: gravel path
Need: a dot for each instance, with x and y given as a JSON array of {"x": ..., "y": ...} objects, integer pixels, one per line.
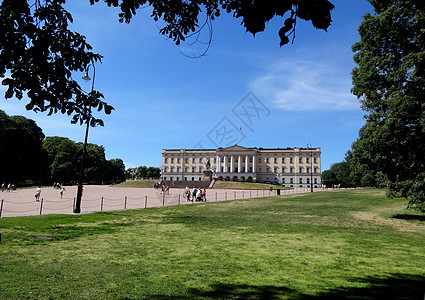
[{"x": 106, "y": 198}]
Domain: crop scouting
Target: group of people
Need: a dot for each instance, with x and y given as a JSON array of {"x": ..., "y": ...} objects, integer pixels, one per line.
[
  {"x": 8, "y": 188},
  {"x": 61, "y": 188},
  {"x": 197, "y": 194}
]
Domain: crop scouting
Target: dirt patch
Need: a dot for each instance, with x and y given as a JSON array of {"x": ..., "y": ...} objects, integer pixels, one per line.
[{"x": 400, "y": 225}]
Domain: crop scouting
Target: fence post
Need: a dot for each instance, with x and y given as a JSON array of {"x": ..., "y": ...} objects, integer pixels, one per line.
[
  {"x": 163, "y": 200},
  {"x": 73, "y": 205},
  {"x": 101, "y": 205},
  {"x": 125, "y": 202},
  {"x": 1, "y": 208},
  {"x": 225, "y": 196},
  {"x": 234, "y": 197},
  {"x": 250, "y": 195},
  {"x": 179, "y": 199},
  {"x": 41, "y": 206},
  {"x": 215, "y": 196},
  {"x": 146, "y": 201}
]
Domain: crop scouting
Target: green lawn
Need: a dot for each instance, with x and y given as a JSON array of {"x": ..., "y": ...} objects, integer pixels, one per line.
[
  {"x": 137, "y": 184},
  {"x": 245, "y": 185},
  {"x": 348, "y": 244}
]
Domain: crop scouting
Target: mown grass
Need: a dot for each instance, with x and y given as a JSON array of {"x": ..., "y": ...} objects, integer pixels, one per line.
[
  {"x": 354, "y": 244},
  {"x": 245, "y": 185},
  {"x": 137, "y": 184}
]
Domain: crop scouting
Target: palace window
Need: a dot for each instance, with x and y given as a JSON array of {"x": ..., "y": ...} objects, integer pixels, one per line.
[
  {"x": 259, "y": 170},
  {"x": 308, "y": 170},
  {"x": 259, "y": 159},
  {"x": 291, "y": 160},
  {"x": 187, "y": 160},
  {"x": 267, "y": 160},
  {"x": 307, "y": 160},
  {"x": 301, "y": 170},
  {"x": 301, "y": 180},
  {"x": 275, "y": 160},
  {"x": 283, "y": 169},
  {"x": 172, "y": 169},
  {"x": 165, "y": 169},
  {"x": 300, "y": 160},
  {"x": 291, "y": 180},
  {"x": 178, "y": 160},
  {"x": 275, "y": 169},
  {"x": 315, "y": 169},
  {"x": 165, "y": 160},
  {"x": 315, "y": 160},
  {"x": 178, "y": 169},
  {"x": 193, "y": 160},
  {"x": 185, "y": 169},
  {"x": 193, "y": 169},
  {"x": 268, "y": 170},
  {"x": 291, "y": 170},
  {"x": 283, "y": 160},
  {"x": 200, "y": 169},
  {"x": 200, "y": 160},
  {"x": 172, "y": 160}
]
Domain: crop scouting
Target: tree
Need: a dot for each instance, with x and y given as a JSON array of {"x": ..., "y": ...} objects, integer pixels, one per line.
[
  {"x": 38, "y": 52},
  {"x": 62, "y": 158},
  {"x": 390, "y": 83},
  {"x": 64, "y": 161},
  {"x": 116, "y": 170},
  {"x": 20, "y": 149},
  {"x": 153, "y": 172},
  {"x": 142, "y": 172},
  {"x": 96, "y": 166}
]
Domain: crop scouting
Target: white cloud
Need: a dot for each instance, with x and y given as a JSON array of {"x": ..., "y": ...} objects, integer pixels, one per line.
[{"x": 301, "y": 85}]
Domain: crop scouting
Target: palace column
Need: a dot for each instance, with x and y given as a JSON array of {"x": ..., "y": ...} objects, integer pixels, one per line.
[
  {"x": 253, "y": 165},
  {"x": 218, "y": 164},
  {"x": 225, "y": 164},
  {"x": 239, "y": 164},
  {"x": 246, "y": 164},
  {"x": 231, "y": 164}
]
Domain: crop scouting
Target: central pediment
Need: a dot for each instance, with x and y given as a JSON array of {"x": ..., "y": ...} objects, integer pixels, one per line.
[{"x": 235, "y": 148}]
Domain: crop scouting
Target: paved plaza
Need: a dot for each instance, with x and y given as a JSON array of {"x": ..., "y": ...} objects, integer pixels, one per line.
[{"x": 108, "y": 198}]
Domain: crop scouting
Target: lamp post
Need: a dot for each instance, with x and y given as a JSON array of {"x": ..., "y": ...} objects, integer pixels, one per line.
[
  {"x": 77, "y": 208},
  {"x": 311, "y": 167}
]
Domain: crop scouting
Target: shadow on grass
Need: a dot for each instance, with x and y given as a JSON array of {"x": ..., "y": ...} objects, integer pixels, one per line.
[
  {"x": 410, "y": 217},
  {"x": 395, "y": 286}
]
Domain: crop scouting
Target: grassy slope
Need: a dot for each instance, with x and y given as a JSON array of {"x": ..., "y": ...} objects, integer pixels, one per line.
[
  {"x": 244, "y": 185},
  {"x": 137, "y": 184},
  {"x": 324, "y": 245}
]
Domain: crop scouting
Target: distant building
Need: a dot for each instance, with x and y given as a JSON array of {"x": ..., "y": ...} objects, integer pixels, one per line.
[{"x": 293, "y": 167}]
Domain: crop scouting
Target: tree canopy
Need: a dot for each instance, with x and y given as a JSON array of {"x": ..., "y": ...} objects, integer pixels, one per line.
[
  {"x": 20, "y": 149},
  {"x": 39, "y": 53},
  {"x": 389, "y": 80}
]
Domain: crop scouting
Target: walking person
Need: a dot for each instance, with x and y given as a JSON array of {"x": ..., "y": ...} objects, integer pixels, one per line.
[
  {"x": 61, "y": 191},
  {"x": 3, "y": 186},
  {"x": 37, "y": 194}
]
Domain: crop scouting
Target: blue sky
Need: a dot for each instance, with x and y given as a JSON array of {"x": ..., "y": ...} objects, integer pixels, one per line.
[{"x": 286, "y": 96}]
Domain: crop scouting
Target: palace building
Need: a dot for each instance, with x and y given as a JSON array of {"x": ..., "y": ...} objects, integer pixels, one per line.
[{"x": 293, "y": 167}]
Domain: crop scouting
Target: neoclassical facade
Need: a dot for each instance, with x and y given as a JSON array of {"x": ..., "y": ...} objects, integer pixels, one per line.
[{"x": 294, "y": 167}]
